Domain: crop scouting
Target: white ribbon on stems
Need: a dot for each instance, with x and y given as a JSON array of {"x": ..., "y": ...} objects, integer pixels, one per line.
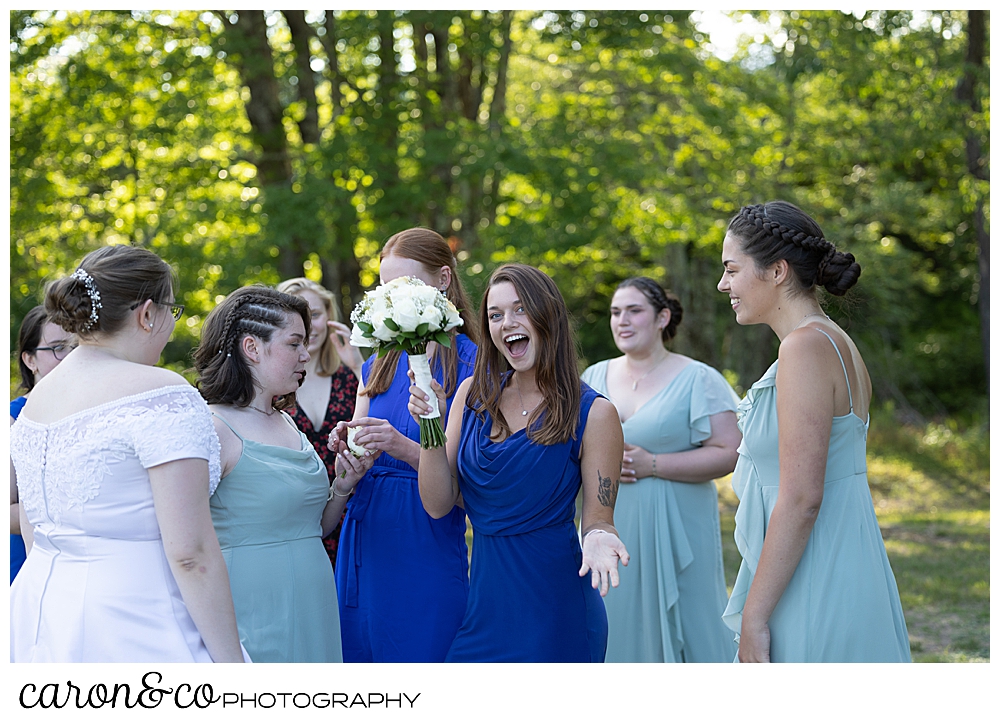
[{"x": 422, "y": 378}]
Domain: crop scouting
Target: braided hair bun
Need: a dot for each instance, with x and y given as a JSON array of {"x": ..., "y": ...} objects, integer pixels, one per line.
[
  {"x": 780, "y": 230},
  {"x": 838, "y": 273}
]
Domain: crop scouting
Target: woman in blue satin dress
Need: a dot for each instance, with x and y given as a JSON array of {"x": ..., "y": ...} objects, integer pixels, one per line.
[
  {"x": 403, "y": 576},
  {"x": 532, "y": 434},
  {"x": 815, "y": 584}
]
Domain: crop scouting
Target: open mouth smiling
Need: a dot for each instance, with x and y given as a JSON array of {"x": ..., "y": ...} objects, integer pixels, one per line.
[{"x": 517, "y": 344}]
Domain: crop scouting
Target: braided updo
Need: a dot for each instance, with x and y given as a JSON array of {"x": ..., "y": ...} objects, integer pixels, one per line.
[
  {"x": 780, "y": 230},
  {"x": 659, "y": 299},
  {"x": 224, "y": 374}
]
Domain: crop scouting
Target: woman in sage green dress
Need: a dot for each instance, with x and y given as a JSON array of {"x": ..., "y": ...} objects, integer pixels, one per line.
[
  {"x": 275, "y": 501},
  {"x": 815, "y": 584},
  {"x": 680, "y": 433}
]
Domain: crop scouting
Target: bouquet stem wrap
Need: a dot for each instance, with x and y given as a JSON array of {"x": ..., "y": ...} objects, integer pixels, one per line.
[{"x": 431, "y": 429}]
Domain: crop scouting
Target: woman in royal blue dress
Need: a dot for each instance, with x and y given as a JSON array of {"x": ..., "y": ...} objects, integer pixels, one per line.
[
  {"x": 531, "y": 435},
  {"x": 402, "y": 575}
]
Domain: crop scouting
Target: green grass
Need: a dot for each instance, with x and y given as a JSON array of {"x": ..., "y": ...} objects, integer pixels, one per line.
[{"x": 930, "y": 487}]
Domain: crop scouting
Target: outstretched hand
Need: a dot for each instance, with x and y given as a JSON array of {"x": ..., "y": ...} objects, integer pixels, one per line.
[{"x": 601, "y": 552}]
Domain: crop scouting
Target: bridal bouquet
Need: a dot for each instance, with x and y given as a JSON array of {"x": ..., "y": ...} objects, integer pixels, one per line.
[{"x": 403, "y": 315}]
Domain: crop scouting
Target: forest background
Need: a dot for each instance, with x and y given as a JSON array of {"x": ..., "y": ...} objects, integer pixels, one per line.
[{"x": 254, "y": 146}]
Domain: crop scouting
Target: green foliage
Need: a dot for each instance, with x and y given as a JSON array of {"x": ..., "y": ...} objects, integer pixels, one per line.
[{"x": 596, "y": 145}]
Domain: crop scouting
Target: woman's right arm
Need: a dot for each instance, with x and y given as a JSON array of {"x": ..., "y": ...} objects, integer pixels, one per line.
[
  {"x": 437, "y": 473},
  {"x": 180, "y": 498},
  {"x": 805, "y": 416}
]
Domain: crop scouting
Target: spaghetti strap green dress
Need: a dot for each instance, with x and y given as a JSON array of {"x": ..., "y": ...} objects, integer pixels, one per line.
[
  {"x": 267, "y": 513},
  {"x": 842, "y": 604},
  {"x": 668, "y": 605}
]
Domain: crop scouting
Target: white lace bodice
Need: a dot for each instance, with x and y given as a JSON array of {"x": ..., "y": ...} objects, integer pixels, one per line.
[{"x": 86, "y": 474}]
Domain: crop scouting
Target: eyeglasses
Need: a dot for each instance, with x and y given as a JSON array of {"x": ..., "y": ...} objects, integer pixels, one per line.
[
  {"x": 59, "y": 351},
  {"x": 175, "y": 309}
]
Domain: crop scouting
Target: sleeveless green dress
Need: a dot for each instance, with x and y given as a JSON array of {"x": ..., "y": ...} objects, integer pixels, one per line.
[
  {"x": 668, "y": 605},
  {"x": 841, "y": 604},
  {"x": 267, "y": 513}
]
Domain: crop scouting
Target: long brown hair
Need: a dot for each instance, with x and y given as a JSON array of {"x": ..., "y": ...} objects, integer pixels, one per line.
[
  {"x": 430, "y": 249},
  {"x": 553, "y": 421}
]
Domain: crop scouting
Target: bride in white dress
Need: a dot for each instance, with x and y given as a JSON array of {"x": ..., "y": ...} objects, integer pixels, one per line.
[{"x": 115, "y": 461}]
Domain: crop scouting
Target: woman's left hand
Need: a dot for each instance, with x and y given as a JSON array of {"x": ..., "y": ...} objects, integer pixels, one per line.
[
  {"x": 755, "y": 642},
  {"x": 340, "y": 337},
  {"x": 601, "y": 552}
]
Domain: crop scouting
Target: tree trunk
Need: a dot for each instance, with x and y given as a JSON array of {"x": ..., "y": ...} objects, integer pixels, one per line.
[
  {"x": 498, "y": 105},
  {"x": 332, "y": 62},
  {"x": 249, "y": 50},
  {"x": 301, "y": 33},
  {"x": 975, "y": 65}
]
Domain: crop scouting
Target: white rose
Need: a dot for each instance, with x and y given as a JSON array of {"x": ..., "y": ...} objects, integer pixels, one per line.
[
  {"x": 356, "y": 449},
  {"x": 378, "y": 310},
  {"x": 382, "y": 332},
  {"x": 452, "y": 318},
  {"x": 405, "y": 314},
  {"x": 359, "y": 339},
  {"x": 432, "y": 317},
  {"x": 400, "y": 292}
]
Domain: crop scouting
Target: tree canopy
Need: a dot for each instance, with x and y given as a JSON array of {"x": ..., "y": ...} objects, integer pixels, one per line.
[{"x": 253, "y": 146}]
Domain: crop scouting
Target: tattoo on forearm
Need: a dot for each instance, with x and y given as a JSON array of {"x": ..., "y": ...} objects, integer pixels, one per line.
[{"x": 607, "y": 491}]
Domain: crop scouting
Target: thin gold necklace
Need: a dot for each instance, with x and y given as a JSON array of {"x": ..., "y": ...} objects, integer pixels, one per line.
[{"x": 635, "y": 382}]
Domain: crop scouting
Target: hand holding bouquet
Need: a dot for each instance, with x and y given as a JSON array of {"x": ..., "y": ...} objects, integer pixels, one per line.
[{"x": 404, "y": 315}]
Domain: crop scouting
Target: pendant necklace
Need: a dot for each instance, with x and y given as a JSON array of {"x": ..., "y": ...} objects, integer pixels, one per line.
[
  {"x": 635, "y": 382},
  {"x": 517, "y": 388}
]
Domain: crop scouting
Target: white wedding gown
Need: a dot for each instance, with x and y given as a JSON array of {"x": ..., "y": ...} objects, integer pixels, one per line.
[{"x": 96, "y": 586}]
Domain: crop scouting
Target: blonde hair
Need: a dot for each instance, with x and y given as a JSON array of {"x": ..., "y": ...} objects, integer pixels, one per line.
[{"x": 329, "y": 360}]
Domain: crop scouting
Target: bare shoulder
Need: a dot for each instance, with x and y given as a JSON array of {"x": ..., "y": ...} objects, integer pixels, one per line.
[
  {"x": 804, "y": 341},
  {"x": 602, "y": 418},
  {"x": 227, "y": 437}
]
